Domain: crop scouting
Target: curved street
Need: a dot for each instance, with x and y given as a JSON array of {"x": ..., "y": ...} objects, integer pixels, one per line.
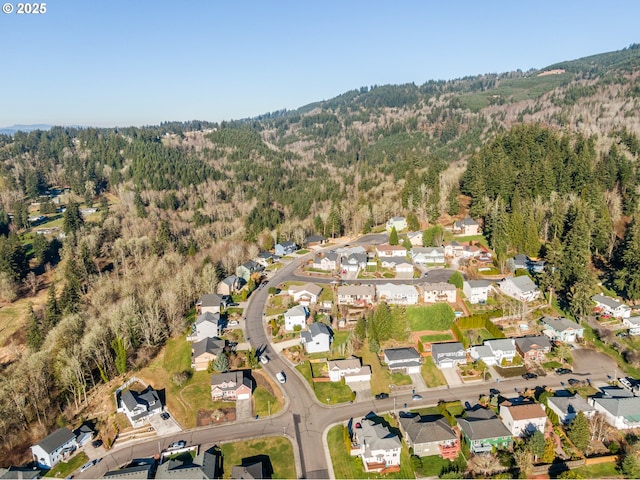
[{"x": 304, "y": 419}]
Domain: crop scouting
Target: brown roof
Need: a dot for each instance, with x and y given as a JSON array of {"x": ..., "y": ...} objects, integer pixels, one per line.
[{"x": 524, "y": 412}]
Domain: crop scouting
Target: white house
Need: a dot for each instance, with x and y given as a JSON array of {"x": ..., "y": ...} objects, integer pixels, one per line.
[
  {"x": 406, "y": 358},
  {"x": 448, "y": 355},
  {"x": 524, "y": 419},
  {"x": 484, "y": 353},
  {"x": 138, "y": 407},
  {"x": 295, "y": 316},
  {"x": 376, "y": 444},
  {"x": 399, "y": 222},
  {"x": 522, "y": 288},
  {"x": 209, "y": 302},
  {"x": 397, "y": 294},
  {"x": 327, "y": 262},
  {"x": 611, "y": 306},
  {"x": 502, "y": 349},
  {"x": 622, "y": 413},
  {"x": 351, "y": 369},
  {"x": 386, "y": 250},
  {"x": 54, "y": 448},
  {"x": 306, "y": 294},
  {"x": 466, "y": 226},
  {"x": 568, "y": 407},
  {"x": 633, "y": 323},
  {"x": 428, "y": 255},
  {"x": 207, "y": 325},
  {"x": 356, "y": 295},
  {"x": 317, "y": 338},
  {"x": 476, "y": 291},
  {"x": 439, "y": 292},
  {"x": 561, "y": 329}
]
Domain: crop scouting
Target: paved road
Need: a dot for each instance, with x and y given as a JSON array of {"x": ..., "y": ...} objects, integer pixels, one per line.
[{"x": 303, "y": 418}]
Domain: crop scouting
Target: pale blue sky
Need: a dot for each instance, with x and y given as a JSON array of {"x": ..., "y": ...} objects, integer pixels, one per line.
[{"x": 135, "y": 62}]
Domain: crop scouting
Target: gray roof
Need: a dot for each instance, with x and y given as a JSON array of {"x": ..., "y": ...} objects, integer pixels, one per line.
[
  {"x": 210, "y": 300},
  {"x": 359, "y": 290},
  {"x": 573, "y": 404},
  {"x": 295, "y": 311},
  {"x": 255, "y": 470},
  {"x": 208, "y": 317},
  {"x": 139, "y": 471},
  {"x": 252, "y": 266},
  {"x": 419, "y": 250},
  {"x": 315, "y": 238},
  {"x": 56, "y": 439},
  {"x": 230, "y": 280},
  {"x": 287, "y": 244},
  {"x": 406, "y": 353},
  {"x": 560, "y": 324},
  {"x": 315, "y": 329},
  {"x": 479, "y": 283},
  {"x": 236, "y": 377},
  {"x": 440, "y": 286},
  {"x": 427, "y": 429},
  {"x": 443, "y": 348},
  {"x": 377, "y": 436},
  {"x": 608, "y": 301},
  {"x": 526, "y": 343},
  {"x": 21, "y": 473},
  {"x": 504, "y": 344},
  {"x": 621, "y": 407},
  {"x": 213, "y": 345},
  {"x": 480, "y": 425},
  {"x": 524, "y": 283}
]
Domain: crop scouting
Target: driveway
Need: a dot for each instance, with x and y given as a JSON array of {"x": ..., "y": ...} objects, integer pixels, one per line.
[
  {"x": 278, "y": 347},
  {"x": 451, "y": 376},
  {"x": 244, "y": 410},
  {"x": 418, "y": 382},
  {"x": 362, "y": 389},
  {"x": 590, "y": 362},
  {"x": 164, "y": 427}
]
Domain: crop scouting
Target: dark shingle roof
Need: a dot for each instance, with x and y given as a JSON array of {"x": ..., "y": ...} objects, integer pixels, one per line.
[
  {"x": 209, "y": 345},
  {"x": 255, "y": 470},
  {"x": 210, "y": 300},
  {"x": 428, "y": 428},
  {"x": 56, "y": 439},
  {"x": 406, "y": 353}
]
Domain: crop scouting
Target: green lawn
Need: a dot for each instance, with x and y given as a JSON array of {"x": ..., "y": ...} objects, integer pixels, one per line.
[
  {"x": 265, "y": 403},
  {"x": 601, "y": 470},
  {"x": 278, "y": 449},
  {"x": 436, "y": 337},
  {"x": 477, "y": 336},
  {"x": 64, "y": 469},
  {"x": 435, "y": 465},
  {"x": 432, "y": 375},
  {"x": 330, "y": 393},
  {"x": 437, "y": 317},
  {"x": 379, "y": 374},
  {"x": 326, "y": 295},
  {"x": 551, "y": 365},
  {"x": 346, "y": 466},
  {"x": 400, "y": 379}
]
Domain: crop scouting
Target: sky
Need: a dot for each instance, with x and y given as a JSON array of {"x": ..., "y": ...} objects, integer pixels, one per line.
[{"x": 140, "y": 62}]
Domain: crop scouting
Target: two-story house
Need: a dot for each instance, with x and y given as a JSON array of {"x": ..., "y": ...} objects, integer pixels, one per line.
[
  {"x": 351, "y": 369},
  {"x": 477, "y": 291},
  {"x": 138, "y": 407},
  {"x": 524, "y": 419},
  {"x": 521, "y": 288},
  {"x": 235, "y": 385},
  {"x": 466, "y": 226},
  {"x": 285, "y": 248},
  {"x": 317, "y": 338},
  {"x": 209, "y": 303},
  {"x": 386, "y": 250},
  {"x": 400, "y": 223},
  {"x": 376, "y": 444},
  {"x": 428, "y": 255},
  {"x": 430, "y": 435},
  {"x": 568, "y": 407},
  {"x": 483, "y": 431},
  {"x": 503, "y": 349},
  {"x": 306, "y": 294},
  {"x": 397, "y": 294},
  {"x": 448, "y": 355},
  {"x": 54, "y": 448},
  {"x": 406, "y": 359},
  {"x": 561, "y": 329},
  {"x": 440, "y": 292},
  {"x": 207, "y": 325},
  {"x": 533, "y": 348},
  {"x": 327, "y": 262},
  {"x": 205, "y": 351},
  {"x": 611, "y": 306},
  {"x": 356, "y": 295},
  {"x": 295, "y": 316},
  {"x": 247, "y": 269}
]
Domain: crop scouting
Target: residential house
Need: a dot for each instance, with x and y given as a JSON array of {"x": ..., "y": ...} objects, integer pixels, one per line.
[
  {"x": 503, "y": 349},
  {"x": 376, "y": 444},
  {"x": 523, "y": 420},
  {"x": 404, "y": 270},
  {"x": 138, "y": 407},
  {"x": 483, "y": 430},
  {"x": 84, "y": 434},
  {"x": 235, "y": 385},
  {"x": 356, "y": 295},
  {"x": 561, "y": 329},
  {"x": 328, "y": 261},
  {"x": 317, "y": 338},
  {"x": 209, "y": 303},
  {"x": 315, "y": 240},
  {"x": 521, "y": 288},
  {"x": 519, "y": 262},
  {"x": 353, "y": 262},
  {"x": 247, "y": 269},
  {"x": 295, "y": 316},
  {"x": 448, "y": 355},
  {"x": 466, "y": 226},
  {"x": 205, "y": 465},
  {"x": 21, "y": 473},
  {"x": 306, "y": 294},
  {"x": 351, "y": 369},
  {"x": 533, "y": 348},
  {"x": 428, "y": 255},
  {"x": 623, "y": 413},
  {"x": 230, "y": 285},
  {"x": 568, "y": 407},
  {"x": 484, "y": 353},
  {"x": 205, "y": 351},
  {"x": 439, "y": 292},
  {"x": 406, "y": 359},
  {"x": 266, "y": 258},
  {"x": 400, "y": 223},
  {"x": 255, "y": 470},
  {"x": 285, "y": 248},
  {"x": 397, "y": 294},
  {"x": 430, "y": 435},
  {"x": 386, "y": 250},
  {"x": 633, "y": 323},
  {"x": 207, "y": 325},
  {"x": 454, "y": 249},
  {"x": 137, "y": 471},
  {"x": 54, "y": 448},
  {"x": 477, "y": 291},
  {"x": 415, "y": 238},
  {"x": 611, "y": 306}
]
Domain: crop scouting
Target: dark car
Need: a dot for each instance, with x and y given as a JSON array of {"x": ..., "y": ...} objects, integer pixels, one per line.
[
  {"x": 574, "y": 381},
  {"x": 382, "y": 396},
  {"x": 96, "y": 443},
  {"x": 563, "y": 371},
  {"x": 529, "y": 376},
  {"x": 164, "y": 415},
  {"x": 494, "y": 391}
]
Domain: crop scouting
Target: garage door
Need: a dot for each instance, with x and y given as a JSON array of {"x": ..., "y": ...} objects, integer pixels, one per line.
[
  {"x": 446, "y": 364},
  {"x": 244, "y": 396}
]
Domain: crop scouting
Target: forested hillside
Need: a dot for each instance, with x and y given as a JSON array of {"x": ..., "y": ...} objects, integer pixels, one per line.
[{"x": 547, "y": 159}]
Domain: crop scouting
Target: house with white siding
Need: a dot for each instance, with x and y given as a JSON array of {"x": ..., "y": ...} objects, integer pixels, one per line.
[
  {"x": 439, "y": 292},
  {"x": 397, "y": 294},
  {"x": 356, "y": 295},
  {"x": 428, "y": 255},
  {"x": 376, "y": 444},
  {"x": 295, "y": 316},
  {"x": 611, "y": 306},
  {"x": 351, "y": 369},
  {"x": 521, "y": 288},
  {"x": 524, "y": 419},
  {"x": 477, "y": 291}
]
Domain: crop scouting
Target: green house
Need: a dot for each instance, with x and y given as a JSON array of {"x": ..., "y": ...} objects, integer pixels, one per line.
[{"x": 483, "y": 430}]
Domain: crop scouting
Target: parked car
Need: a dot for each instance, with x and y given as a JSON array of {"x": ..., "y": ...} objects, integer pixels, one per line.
[
  {"x": 233, "y": 323},
  {"x": 264, "y": 359},
  {"x": 281, "y": 377},
  {"x": 165, "y": 415},
  {"x": 563, "y": 371},
  {"x": 89, "y": 464},
  {"x": 382, "y": 396},
  {"x": 416, "y": 397},
  {"x": 574, "y": 381},
  {"x": 96, "y": 443},
  {"x": 177, "y": 445},
  {"x": 529, "y": 376},
  {"x": 494, "y": 391}
]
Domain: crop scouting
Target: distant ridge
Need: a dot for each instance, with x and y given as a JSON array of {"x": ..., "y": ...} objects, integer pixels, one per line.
[{"x": 23, "y": 128}]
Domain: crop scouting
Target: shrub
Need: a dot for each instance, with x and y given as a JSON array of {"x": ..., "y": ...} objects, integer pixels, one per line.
[{"x": 180, "y": 378}]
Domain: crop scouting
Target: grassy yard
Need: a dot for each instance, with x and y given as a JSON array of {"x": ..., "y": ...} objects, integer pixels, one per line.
[
  {"x": 64, "y": 469},
  {"x": 432, "y": 375},
  {"x": 435, "y": 465},
  {"x": 602, "y": 470},
  {"x": 436, "y": 337},
  {"x": 437, "y": 317},
  {"x": 265, "y": 403},
  {"x": 330, "y": 393},
  {"x": 278, "y": 449},
  {"x": 326, "y": 295},
  {"x": 400, "y": 379},
  {"x": 346, "y": 466},
  {"x": 477, "y": 336},
  {"x": 379, "y": 374}
]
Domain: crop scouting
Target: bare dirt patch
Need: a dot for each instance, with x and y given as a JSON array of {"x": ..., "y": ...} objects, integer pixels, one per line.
[{"x": 215, "y": 417}]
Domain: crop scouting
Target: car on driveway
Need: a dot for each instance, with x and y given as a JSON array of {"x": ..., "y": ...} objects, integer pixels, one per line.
[
  {"x": 563, "y": 371},
  {"x": 529, "y": 376},
  {"x": 177, "y": 445},
  {"x": 382, "y": 396},
  {"x": 264, "y": 359},
  {"x": 165, "y": 415},
  {"x": 96, "y": 443},
  {"x": 574, "y": 381}
]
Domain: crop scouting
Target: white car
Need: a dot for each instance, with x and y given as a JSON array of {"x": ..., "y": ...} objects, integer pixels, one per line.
[
  {"x": 281, "y": 377},
  {"x": 89, "y": 464},
  {"x": 177, "y": 445},
  {"x": 264, "y": 359}
]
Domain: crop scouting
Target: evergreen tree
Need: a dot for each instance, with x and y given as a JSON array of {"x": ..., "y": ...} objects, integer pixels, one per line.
[
  {"x": 457, "y": 280},
  {"x": 35, "y": 335},
  {"x": 628, "y": 275},
  {"x": 382, "y": 322},
  {"x": 72, "y": 219},
  {"x": 221, "y": 363},
  {"x": 412, "y": 222},
  {"x": 393, "y": 237},
  {"x": 433, "y": 236},
  {"x": 52, "y": 311},
  {"x": 117, "y": 344},
  {"x": 630, "y": 466},
  {"x": 406, "y": 243},
  {"x": 578, "y": 431},
  {"x": 70, "y": 296},
  {"x": 318, "y": 225},
  {"x": 453, "y": 205},
  {"x": 536, "y": 444},
  {"x": 334, "y": 223}
]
